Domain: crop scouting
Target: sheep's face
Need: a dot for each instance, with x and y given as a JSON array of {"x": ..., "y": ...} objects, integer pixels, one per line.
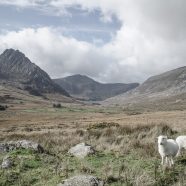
[{"x": 162, "y": 140}]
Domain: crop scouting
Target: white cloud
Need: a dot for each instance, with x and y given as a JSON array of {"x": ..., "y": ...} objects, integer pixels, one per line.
[
  {"x": 56, "y": 54},
  {"x": 150, "y": 41},
  {"x": 20, "y": 3}
]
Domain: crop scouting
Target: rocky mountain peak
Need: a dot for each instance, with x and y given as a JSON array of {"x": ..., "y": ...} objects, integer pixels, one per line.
[
  {"x": 18, "y": 70},
  {"x": 16, "y": 63},
  {"x": 11, "y": 53}
]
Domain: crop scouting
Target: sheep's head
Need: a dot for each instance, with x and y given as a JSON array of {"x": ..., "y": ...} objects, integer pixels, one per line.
[{"x": 162, "y": 140}]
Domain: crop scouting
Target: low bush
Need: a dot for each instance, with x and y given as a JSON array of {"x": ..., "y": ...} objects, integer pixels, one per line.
[
  {"x": 58, "y": 105},
  {"x": 3, "y": 107}
]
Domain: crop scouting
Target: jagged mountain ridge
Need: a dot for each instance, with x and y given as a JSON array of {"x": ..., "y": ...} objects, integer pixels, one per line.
[
  {"x": 83, "y": 87},
  {"x": 16, "y": 69}
]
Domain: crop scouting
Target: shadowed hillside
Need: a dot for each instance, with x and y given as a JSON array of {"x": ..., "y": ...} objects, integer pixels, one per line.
[{"x": 83, "y": 87}]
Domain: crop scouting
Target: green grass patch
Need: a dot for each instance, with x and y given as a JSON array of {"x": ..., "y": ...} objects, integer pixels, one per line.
[
  {"x": 30, "y": 168},
  {"x": 21, "y": 152},
  {"x": 108, "y": 110}
]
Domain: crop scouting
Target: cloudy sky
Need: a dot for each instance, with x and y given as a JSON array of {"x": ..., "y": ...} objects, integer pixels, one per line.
[{"x": 108, "y": 40}]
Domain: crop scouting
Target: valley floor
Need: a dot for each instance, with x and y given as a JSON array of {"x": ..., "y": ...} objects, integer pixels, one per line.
[{"x": 125, "y": 141}]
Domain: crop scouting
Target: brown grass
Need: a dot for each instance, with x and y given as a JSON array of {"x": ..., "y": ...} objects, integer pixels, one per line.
[{"x": 117, "y": 133}]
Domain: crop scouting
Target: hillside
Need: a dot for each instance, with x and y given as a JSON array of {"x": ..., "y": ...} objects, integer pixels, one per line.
[
  {"x": 83, "y": 87},
  {"x": 168, "y": 88},
  {"x": 18, "y": 71},
  {"x": 173, "y": 82}
]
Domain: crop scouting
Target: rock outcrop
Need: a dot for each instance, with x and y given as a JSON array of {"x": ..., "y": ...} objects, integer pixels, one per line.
[
  {"x": 81, "y": 150},
  {"x": 22, "y": 144},
  {"x": 82, "y": 180},
  {"x": 7, "y": 162}
]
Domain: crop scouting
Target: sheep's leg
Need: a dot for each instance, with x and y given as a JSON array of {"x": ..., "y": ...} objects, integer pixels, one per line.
[
  {"x": 172, "y": 161},
  {"x": 166, "y": 160},
  {"x": 179, "y": 151},
  {"x": 162, "y": 160},
  {"x": 178, "y": 154},
  {"x": 169, "y": 162}
]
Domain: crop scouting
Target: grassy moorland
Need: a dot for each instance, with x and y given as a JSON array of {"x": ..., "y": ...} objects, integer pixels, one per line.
[{"x": 125, "y": 141}]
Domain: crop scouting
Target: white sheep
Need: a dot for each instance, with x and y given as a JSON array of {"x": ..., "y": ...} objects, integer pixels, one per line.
[
  {"x": 168, "y": 148},
  {"x": 181, "y": 141}
]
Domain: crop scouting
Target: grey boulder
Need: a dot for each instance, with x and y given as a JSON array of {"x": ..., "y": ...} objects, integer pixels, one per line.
[
  {"x": 7, "y": 162},
  {"x": 3, "y": 148},
  {"x": 82, "y": 180},
  {"x": 81, "y": 150},
  {"x": 22, "y": 144}
]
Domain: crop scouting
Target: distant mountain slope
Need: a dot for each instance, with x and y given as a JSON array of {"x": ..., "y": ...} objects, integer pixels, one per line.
[
  {"x": 173, "y": 81},
  {"x": 17, "y": 70},
  {"x": 165, "y": 86},
  {"x": 83, "y": 87}
]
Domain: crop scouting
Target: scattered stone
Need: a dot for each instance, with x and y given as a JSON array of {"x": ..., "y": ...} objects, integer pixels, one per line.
[
  {"x": 7, "y": 162},
  {"x": 24, "y": 144},
  {"x": 3, "y": 148},
  {"x": 31, "y": 145},
  {"x": 81, "y": 150},
  {"x": 82, "y": 180}
]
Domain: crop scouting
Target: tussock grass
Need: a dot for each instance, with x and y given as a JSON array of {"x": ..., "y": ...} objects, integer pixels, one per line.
[{"x": 126, "y": 148}]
